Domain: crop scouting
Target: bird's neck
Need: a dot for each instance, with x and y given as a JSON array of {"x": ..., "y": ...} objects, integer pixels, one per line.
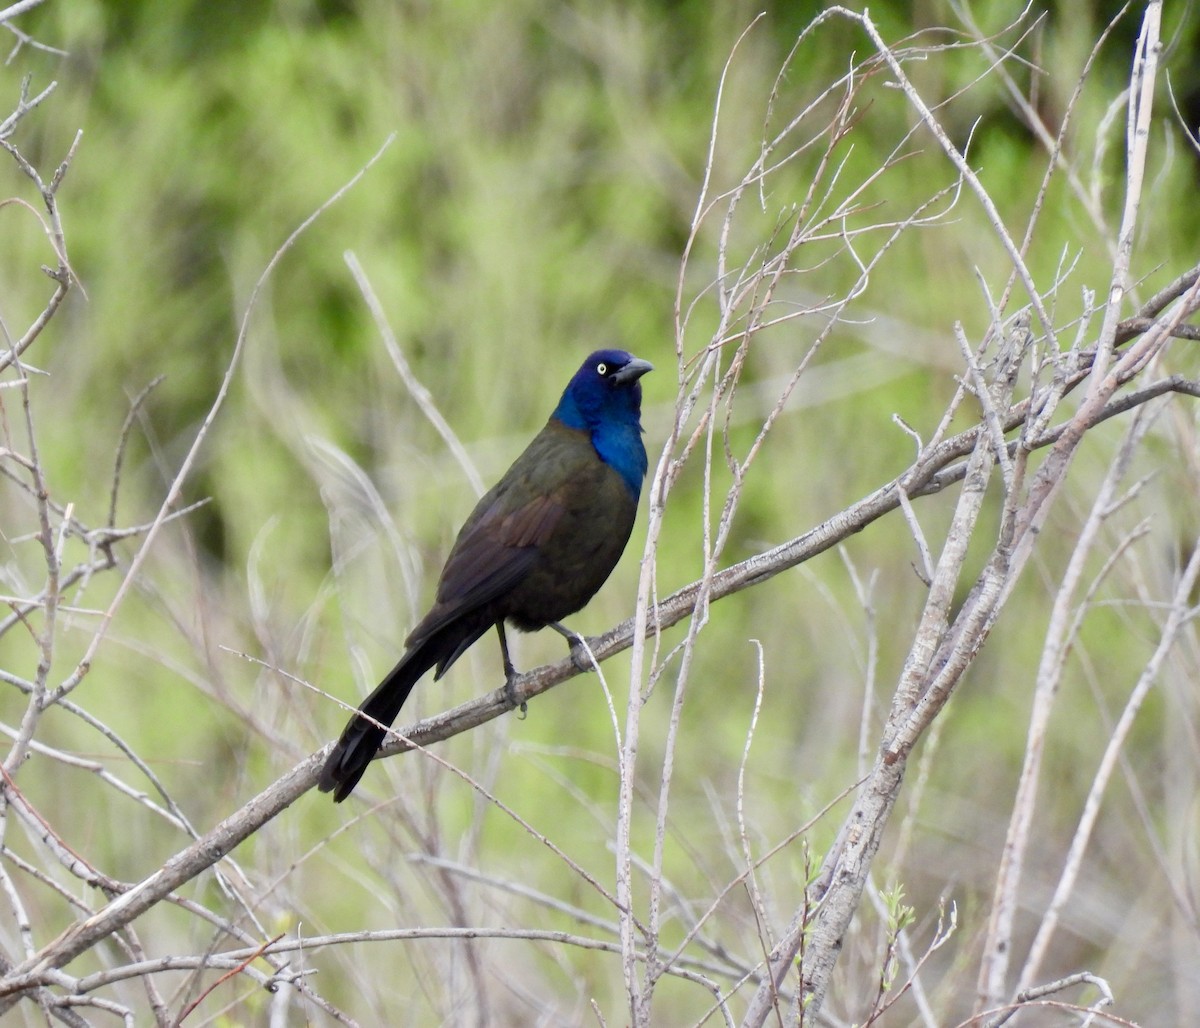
[
  {"x": 619, "y": 445},
  {"x": 616, "y": 439}
]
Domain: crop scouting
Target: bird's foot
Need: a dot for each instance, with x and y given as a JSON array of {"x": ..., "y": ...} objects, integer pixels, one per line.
[
  {"x": 510, "y": 691},
  {"x": 510, "y": 674},
  {"x": 580, "y": 656}
]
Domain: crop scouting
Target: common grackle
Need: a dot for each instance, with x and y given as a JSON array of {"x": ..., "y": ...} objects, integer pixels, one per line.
[{"x": 535, "y": 548}]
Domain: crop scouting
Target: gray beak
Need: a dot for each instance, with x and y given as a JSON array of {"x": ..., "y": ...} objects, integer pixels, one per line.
[{"x": 632, "y": 371}]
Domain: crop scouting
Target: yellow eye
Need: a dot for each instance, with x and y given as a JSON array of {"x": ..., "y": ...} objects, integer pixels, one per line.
[{"x": 602, "y": 368}]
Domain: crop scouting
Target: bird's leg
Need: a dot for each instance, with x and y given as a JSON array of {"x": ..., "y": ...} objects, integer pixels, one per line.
[
  {"x": 510, "y": 672},
  {"x": 579, "y": 653}
]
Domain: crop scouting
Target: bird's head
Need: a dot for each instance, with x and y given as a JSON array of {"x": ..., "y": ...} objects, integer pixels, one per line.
[
  {"x": 604, "y": 399},
  {"x": 605, "y": 389}
]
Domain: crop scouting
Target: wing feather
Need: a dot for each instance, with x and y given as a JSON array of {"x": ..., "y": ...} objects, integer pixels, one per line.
[{"x": 491, "y": 555}]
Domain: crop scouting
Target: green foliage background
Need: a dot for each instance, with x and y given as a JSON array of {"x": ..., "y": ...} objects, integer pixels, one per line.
[{"x": 533, "y": 206}]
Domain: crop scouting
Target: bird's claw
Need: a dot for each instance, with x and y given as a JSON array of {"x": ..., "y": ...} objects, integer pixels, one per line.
[
  {"x": 581, "y": 658},
  {"x": 580, "y": 655},
  {"x": 510, "y": 691}
]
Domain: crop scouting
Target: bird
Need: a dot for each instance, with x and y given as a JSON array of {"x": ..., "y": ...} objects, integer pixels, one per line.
[{"x": 536, "y": 548}]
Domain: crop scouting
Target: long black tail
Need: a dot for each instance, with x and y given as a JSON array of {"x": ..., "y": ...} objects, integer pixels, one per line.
[{"x": 360, "y": 739}]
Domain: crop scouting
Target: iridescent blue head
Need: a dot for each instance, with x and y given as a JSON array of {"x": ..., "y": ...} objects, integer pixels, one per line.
[{"x": 604, "y": 398}]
